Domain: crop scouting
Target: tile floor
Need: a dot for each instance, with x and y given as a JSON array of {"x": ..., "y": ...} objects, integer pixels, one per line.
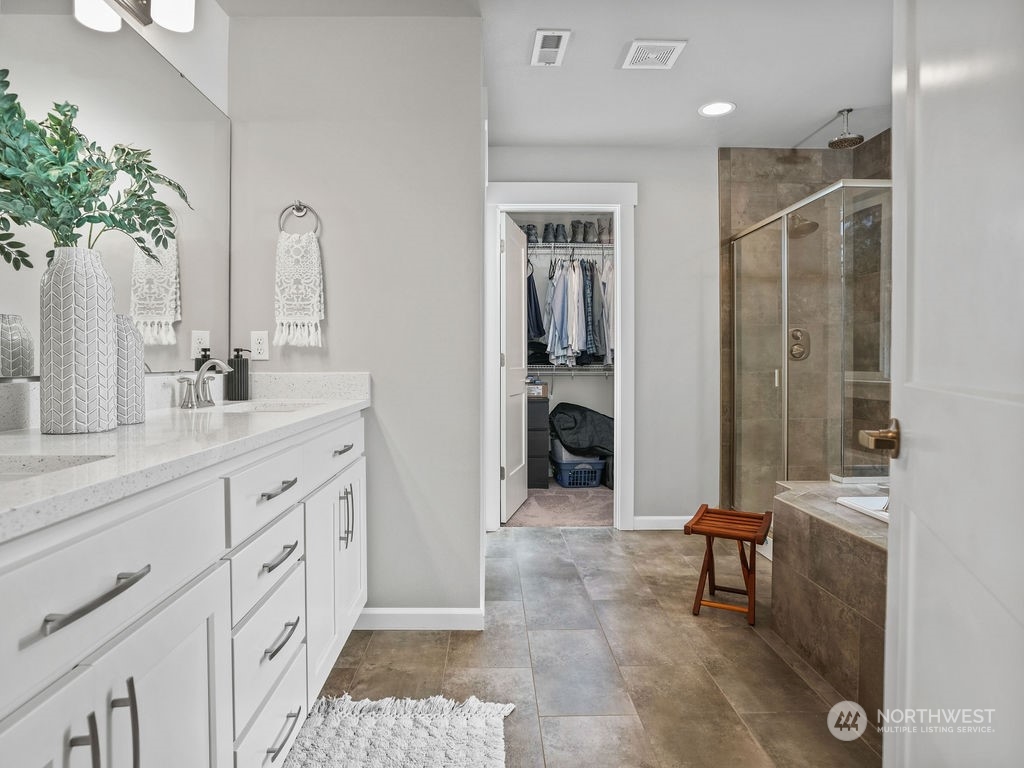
[{"x": 589, "y": 632}]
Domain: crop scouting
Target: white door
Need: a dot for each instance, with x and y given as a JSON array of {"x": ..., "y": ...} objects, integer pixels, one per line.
[
  {"x": 955, "y": 622},
  {"x": 163, "y": 686},
  {"x": 513, "y": 427}
]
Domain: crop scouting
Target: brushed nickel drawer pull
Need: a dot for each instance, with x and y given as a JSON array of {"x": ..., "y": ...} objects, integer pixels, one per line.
[
  {"x": 55, "y": 621},
  {"x": 133, "y": 707},
  {"x": 285, "y": 485},
  {"x": 341, "y": 451},
  {"x": 352, "y": 513},
  {"x": 291, "y": 626},
  {"x": 346, "y": 496},
  {"x": 273, "y": 565},
  {"x": 92, "y": 741},
  {"x": 274, "y": 752}
]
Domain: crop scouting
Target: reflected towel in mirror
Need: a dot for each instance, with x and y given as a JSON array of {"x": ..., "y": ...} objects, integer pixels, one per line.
[{"x": 156, "y": 294}]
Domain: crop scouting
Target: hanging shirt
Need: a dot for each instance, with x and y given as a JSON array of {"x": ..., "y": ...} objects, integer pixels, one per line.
[
  {"x": 600, "y": 341},
  {"x": 608, "y": 283},
  {"x": 588, "y": 305},
  {"x": 534, "y": 320}
]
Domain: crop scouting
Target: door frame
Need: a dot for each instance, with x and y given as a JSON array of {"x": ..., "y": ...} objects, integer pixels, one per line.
[{"x": 618, "y": 199}]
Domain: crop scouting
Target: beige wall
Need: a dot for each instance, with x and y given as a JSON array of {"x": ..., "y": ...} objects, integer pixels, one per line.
[
  {"x": 376, "y": 123},
  {"x": 676, "y": 332}
]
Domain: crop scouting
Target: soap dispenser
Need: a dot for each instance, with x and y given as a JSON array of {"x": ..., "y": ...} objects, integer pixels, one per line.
[
  {"x": 204, "y": 355},
  {"x": 236, "y": 383}
]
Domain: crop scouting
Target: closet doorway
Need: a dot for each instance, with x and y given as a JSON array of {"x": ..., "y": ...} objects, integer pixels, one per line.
[{"x": 598, "y": 386}]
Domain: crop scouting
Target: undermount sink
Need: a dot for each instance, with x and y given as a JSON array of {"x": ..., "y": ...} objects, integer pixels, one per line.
[
  {"x": 20, "y": 466},
  {"x": 268, "y": 406}
]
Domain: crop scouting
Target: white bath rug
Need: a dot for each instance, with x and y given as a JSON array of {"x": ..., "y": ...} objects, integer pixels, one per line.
[{"x": 407, "y": 733}]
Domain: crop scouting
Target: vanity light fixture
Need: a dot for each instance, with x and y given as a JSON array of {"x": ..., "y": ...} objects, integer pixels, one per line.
[
  {"x": 96, "y": 14},
  {"x": 716, "y": 109},
  {"x": 173, "y": 15}
]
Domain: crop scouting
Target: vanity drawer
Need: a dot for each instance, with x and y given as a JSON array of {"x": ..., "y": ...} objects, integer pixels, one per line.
[
  {"x": 265, "y": 642},
  {"x": 273, "y": 732},
  {"x": 94, "y": 587},
  {"x": 330, "y": 451},
  {"x": 264, "y": 561},
  {"x": 260, "y": 492}
]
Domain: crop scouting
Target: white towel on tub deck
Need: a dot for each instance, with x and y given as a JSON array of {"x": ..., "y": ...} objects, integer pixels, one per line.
[
  {"x": 298, "y": 290},
  {"x": 156, "y": 294}
]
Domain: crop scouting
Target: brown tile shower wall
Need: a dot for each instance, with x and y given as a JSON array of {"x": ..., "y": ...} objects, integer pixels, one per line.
[
  {"x": 828, "y": 593},
  {"x": 754, "y": 183}
]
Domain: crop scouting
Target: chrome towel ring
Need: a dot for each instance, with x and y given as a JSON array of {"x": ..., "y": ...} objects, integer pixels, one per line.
[{"x": 300, "y": 209}]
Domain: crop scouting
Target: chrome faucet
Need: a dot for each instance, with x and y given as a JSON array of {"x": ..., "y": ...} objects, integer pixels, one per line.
[{"x": 197, "y": 391}]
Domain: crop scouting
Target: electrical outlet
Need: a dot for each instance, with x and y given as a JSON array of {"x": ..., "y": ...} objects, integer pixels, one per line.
[
  {"x": 200, "y": 340},
  {"x": 259, "y": 343}
]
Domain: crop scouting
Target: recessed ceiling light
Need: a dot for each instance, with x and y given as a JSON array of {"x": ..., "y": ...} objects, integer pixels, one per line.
[{"x": 716, "y": 109}]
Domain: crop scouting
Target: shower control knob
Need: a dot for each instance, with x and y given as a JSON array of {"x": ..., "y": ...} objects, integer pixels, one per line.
[
  {"x": 797, "y": 334},
  {"x": 797, "y": 351}
]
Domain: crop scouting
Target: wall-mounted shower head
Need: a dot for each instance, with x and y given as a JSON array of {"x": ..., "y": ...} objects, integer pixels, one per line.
[
  {"x": 800, "y": 227},
  {"x": 846, "y": 140}
]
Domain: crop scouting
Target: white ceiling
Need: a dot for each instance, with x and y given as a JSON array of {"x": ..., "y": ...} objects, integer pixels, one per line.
[{"x": 789, "y": 65}]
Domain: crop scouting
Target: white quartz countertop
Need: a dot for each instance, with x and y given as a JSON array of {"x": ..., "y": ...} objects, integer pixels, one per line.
[{"x": 170, "y": 444}]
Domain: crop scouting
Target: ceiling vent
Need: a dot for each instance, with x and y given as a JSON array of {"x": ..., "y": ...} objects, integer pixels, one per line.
[
  {"x": 549, "y": 47},
  {"x": 653, "y": 54}
]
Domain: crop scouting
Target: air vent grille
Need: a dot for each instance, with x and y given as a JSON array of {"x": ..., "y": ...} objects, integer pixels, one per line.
[
  {"x": 549, "y": 47},
  {"x": 653, "y": 54}
]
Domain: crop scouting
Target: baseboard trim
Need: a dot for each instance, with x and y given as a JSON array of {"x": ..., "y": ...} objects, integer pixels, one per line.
[
  {"x": 660, "y": 523},
  {"x": 421, "y": 618}
]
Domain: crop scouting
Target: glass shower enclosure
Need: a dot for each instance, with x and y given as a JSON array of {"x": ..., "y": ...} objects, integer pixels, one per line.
[{"x": 812, "y": 327}]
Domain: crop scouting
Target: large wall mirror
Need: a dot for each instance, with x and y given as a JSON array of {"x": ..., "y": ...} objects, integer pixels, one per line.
[{"x": 128, "y": 93}]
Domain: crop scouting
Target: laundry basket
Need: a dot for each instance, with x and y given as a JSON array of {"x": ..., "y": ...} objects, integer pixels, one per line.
[{"x": 578, "y": 474}]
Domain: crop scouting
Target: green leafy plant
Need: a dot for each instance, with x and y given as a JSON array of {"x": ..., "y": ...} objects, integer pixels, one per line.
[{"x": 54, "y": 177}]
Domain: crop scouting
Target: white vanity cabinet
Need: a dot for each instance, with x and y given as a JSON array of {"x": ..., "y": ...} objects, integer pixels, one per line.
[
  {"x": 158, "y": 694},
  {"x": 163, "y": 690},
  {"x": 168, "y": 628},
  {"x": 335, "y": 568}
]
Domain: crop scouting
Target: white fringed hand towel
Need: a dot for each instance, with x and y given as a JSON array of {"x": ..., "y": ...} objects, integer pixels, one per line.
[
  {"x": 156, "y": 294},
  {"x": 299, "y": 290}
]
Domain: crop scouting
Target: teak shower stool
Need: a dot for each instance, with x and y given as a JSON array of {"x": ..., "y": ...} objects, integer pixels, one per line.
[{"x": 751, "y": 527}]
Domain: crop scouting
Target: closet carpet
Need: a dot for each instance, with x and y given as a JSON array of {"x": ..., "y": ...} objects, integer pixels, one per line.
[{"x": 556, "y": 507}]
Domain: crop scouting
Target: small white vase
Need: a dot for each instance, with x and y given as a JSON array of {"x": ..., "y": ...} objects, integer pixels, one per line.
[
  {"x": 78, "y": 344},
  {"x": 17, "y": 357},
  {"x": 131, "y": 372}
]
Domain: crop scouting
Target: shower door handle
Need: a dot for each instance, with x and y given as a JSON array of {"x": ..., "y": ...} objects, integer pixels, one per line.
[{"x": 882, "y": 439}]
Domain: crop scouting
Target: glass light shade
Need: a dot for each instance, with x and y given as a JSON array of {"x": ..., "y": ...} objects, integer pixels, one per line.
[
  {"x": 96, "y": 14},
  {"x": 175, "y": 15}
]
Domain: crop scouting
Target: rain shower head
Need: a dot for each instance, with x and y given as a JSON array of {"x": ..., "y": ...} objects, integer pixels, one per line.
[
  {"x": 846, "y": 140},
  {"x": 800, "y": 227}
]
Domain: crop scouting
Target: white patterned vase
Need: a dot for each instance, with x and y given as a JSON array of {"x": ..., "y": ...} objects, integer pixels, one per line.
[
  {"x": 131, "y": 372},
  {"x": 17, "y": 357},
  {"x": 78, "y": 345}
]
